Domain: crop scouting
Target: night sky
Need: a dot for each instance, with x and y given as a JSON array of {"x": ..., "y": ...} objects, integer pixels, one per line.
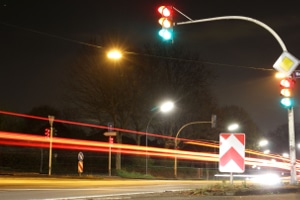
[{"x": 241, "y": 53}]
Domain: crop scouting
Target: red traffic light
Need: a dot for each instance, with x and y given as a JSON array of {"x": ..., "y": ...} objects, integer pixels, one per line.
[
  {"x": 47, "y": 132},
  {"x": 165, "y": 11},
  {"x": 287, "y": 83}
]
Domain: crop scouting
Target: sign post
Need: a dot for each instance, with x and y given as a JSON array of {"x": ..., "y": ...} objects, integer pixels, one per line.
[
  {"x": 80, "y": 163},
  {"x": 232, "y": 153},
  {"x": 111, "y": 141}
]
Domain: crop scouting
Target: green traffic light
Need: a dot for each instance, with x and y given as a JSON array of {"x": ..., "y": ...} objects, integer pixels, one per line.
[
  {"x": 286, "y": 102},
  {"x": 165, "y": 34}
]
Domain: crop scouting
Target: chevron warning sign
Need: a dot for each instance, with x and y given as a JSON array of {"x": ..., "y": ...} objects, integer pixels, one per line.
[{"x": 232, "y": 152}]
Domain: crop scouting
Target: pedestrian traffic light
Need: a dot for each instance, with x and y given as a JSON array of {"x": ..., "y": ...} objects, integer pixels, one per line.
[
  {"x": 47, "y": 132},
  {"x": 286, "y": 91},
  {"x": 166, "y": 22}
]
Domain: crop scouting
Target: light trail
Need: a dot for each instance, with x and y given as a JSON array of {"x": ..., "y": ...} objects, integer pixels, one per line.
[{"x": 19, "y": 139}]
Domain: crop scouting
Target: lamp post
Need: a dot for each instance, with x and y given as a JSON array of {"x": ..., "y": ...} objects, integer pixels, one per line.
[
  {"x": 213, "y": 124},
  {"x": 164, "y": 108}
]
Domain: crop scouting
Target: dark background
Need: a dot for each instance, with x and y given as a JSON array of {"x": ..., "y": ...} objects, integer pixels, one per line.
[{"x": 33, "y": 65}]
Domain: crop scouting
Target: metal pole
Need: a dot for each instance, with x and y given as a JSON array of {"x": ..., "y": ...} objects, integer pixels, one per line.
[
  {"x": 175, "y": 146},
  {"x": 147, "y": 143},
  {"x": 231, "y": 178},
  {"x": 109, "y": 157},
  {"x": 51, "y": 119},
  {"x": 292, "y": 145},
  {"x": 175, "y": 160}
]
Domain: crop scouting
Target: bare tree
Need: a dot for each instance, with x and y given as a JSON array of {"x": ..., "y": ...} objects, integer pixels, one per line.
[
  {"x": 125, "y": 92},
  {"x": 178, "y": 74}
]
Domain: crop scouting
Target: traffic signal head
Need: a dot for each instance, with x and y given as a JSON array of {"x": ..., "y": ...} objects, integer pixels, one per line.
[
  {"x": 287, "y": 102},
  {"x": 166, "y": 22},
  {"x": 286, "y": 91},
  {"x": 47, "y": 132}
]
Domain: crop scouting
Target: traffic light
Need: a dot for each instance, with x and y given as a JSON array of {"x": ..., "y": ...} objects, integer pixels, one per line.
[
  {"x": 166, "y": 22},
  {"x": 47, "y": 132},
  {"x": 286, "y": 91}
]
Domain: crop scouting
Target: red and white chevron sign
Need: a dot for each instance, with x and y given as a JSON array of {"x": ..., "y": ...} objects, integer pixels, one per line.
[{"x": 232, "y": 152}]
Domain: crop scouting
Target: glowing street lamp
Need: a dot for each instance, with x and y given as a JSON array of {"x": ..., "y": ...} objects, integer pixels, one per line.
[
  {"x": 233, "y": 127},
  {"x": 263, "y": 143},
  {"x": 114, "y": 54},
  {"x": 167, "y": 106},
  {"x": 164, "y": 108}
]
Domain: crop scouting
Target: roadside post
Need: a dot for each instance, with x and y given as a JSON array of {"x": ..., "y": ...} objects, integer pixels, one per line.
[
  {"x": 80, "y": 163},
  {"x": 111, "y": 141}
]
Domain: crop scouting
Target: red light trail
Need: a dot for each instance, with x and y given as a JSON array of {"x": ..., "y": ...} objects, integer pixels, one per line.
[{"x": 20, "y": 139}]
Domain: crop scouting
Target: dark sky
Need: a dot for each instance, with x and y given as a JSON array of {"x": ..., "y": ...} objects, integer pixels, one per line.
[{"x": 32, "y": 65}]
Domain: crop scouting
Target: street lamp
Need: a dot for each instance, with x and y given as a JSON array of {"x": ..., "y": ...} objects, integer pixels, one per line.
[
  {"x": 263, "y": 143},
  {"x": 233, "y": 127},
  {"x": 114, "y": 54},
  {"x": 213, "y": 124},
  {"x": 164, "y": 108}
]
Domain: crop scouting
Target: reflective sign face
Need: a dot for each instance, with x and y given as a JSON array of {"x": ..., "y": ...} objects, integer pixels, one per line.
[
  {"x": 232, "y": 152},
  {"x": 286, "y": 63}
]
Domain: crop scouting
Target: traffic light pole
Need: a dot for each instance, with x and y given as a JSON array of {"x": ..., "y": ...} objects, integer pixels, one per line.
[
  {"x": 51, "y": 119},
  {"x": 292, "y": 145},
  {"x": 293, "y": 172},
  {"x": 213, "y": 125}
]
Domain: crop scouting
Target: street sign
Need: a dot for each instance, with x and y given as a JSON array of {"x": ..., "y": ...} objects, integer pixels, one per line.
[
  {"x": 296, "y": 74},
  {"x": 110, "y": 134},
  {"x": 232, "y": 152},
  {"x": 80, "y": 167},
  {"x": 80, "y": 156},
  {"x": 286, "y": 63}
]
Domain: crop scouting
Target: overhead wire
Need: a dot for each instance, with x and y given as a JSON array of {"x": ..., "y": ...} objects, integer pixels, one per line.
[{"x": 132, "y": 52}]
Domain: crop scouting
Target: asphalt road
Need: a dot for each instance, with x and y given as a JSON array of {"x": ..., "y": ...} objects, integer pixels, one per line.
[
  {"x": 16, "y": 188},
  {"x": 50, "y": 188}
]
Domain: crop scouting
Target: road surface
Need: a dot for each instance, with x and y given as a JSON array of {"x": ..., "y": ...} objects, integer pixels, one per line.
[
  {"x": 16, "y": 188},
  {"x": 50, "y": 188}
]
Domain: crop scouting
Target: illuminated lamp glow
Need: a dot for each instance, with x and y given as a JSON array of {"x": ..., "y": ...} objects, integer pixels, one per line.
[
  {"x": 165, "y": 22},
  {"x": 165, "y": 11},
  {"x": 165, "y": 34}
]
